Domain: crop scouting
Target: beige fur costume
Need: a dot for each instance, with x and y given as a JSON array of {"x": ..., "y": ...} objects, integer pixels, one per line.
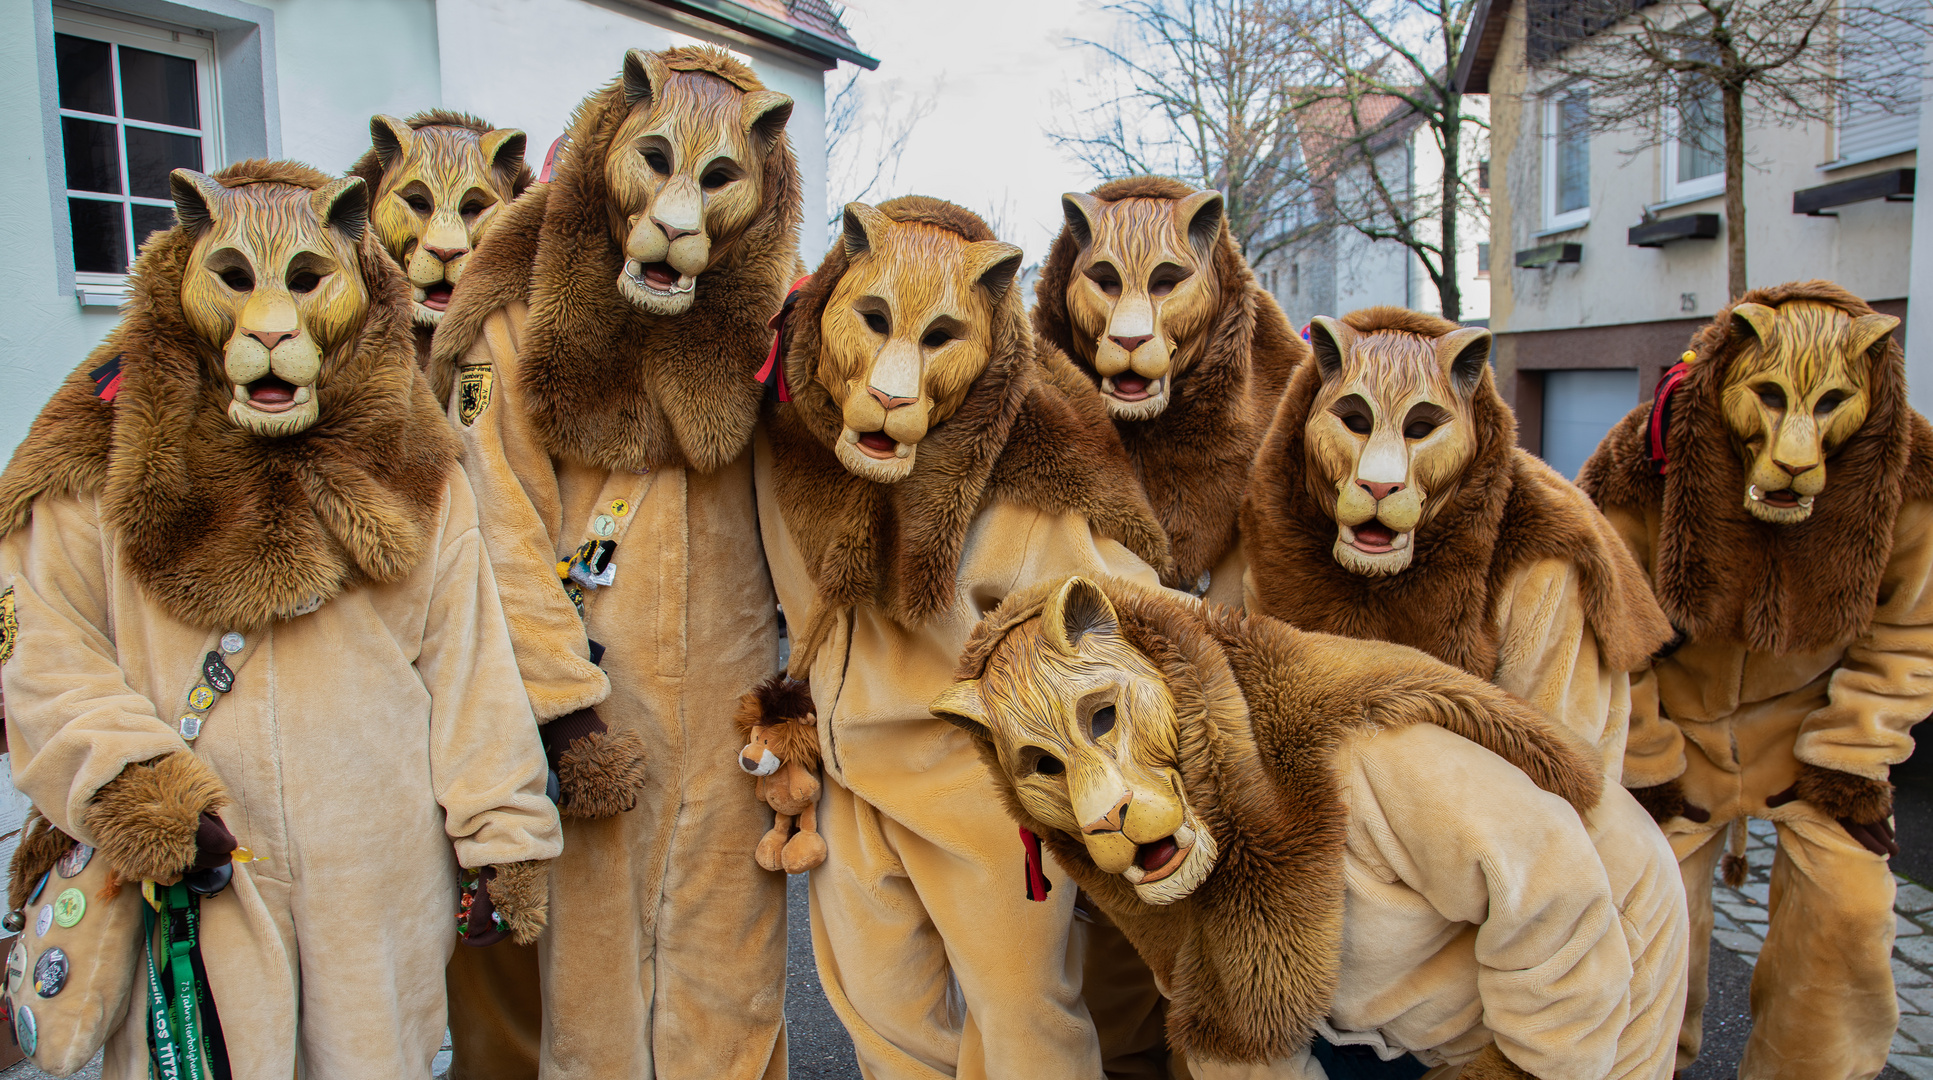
[
  {"x": 1806, "y": 659},
  {"x": 360, "y": 739},
  {"x": 926, "y": 945},
  {"x": 584, "y": 418}
]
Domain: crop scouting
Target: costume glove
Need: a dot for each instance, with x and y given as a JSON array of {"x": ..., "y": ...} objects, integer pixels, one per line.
[
  {"x": 599, "y": 773},
  {"x": 1666, "y": 801},
  {"x": 518, "y": 892},
  {"x": 1862, "y": 807},
  {"x": 149, "y": 821}
]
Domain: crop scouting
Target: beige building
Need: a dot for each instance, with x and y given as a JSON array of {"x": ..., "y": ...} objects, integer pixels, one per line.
[{"x": 1603, "y": 261}]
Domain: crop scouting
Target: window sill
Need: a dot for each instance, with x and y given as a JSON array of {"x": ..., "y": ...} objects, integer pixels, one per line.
[
  {"x": 1683, "y": 200},
  {"x": 1554, "y": 230},
  {"x": 105, "y": 293},
  {"x": 1871, "y": 155}
]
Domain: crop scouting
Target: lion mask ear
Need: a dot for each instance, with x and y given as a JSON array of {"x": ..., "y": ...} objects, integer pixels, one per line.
[
  {"x": 1080, "y": 211},
  {"x": 645, "y": 74},
  {"x": 994, "y": 265},
  {"x": 1867, "y": 330},
  {"x": 343, "y": 205},
  {"x": 862, "y": 226},
  {"x": 1076, "y": 609},
  {"x": 1329, "y": 340},
  {"x": 391, "y": 138},
  {"x": 1759, "y": 318},
  {"x": 1200, "y": 214},
  {"x": 765, "y": 113},
  {"x": 1464, "y": 354},
  {"x": 961, "y": 705},
  {"x": 196, "y": 196},
  {"x": 503, "y": 151}
]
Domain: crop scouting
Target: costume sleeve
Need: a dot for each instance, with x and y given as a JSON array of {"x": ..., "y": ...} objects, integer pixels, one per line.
[
  {"x": 1059, "y": 546},
  {"x": 486, "y": 763},
  {"x": 1549, "y": 657},
  {"x": 515, "y": 484},
  {"x": 1885, "y": 683},
  {"x": 1654, "y": 746},
  {"x": 74, "y": 722},
  {"x": 1481, "y": 844}
]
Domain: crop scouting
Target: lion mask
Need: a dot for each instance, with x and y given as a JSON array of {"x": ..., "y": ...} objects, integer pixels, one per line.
[
  {"x": 439, "y": 180},
  {"x": 1390, "y": 432},
  {"x": 273, "y": 285},
  {"x": 907, "y": 330},
  {"x": 691, "y": 182},
  {"x": 1084, "y": 726},
  {"x": 1142, "y": 292},
  {"x": 1795, "y": 392}
]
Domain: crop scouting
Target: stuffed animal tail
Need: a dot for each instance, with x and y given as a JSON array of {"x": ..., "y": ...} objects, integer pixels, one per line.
[{"x": 1733, "y": 868}]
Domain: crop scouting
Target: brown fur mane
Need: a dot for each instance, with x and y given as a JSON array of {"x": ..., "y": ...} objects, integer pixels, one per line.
[
  {"x": 1193, "y": 459},
  {"x": 1508, "y": 511},
  {"x": 1018, "y": 436},
  {"x": 1722, "y": 574},
  {"x": 608, "y": 384},
  {"x": 784, "y": 708},
  {"x": 1401, "y": 320},
  {"x": 1251, "y": 959},
  {"x": 370, "y": 167},
  {"x": 222, "y": 527}
]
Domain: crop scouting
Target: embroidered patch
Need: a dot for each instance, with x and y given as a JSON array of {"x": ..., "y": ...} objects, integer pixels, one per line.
[
  {"x": 9, "y": 625},
  {"x": 472, "y": 393}
]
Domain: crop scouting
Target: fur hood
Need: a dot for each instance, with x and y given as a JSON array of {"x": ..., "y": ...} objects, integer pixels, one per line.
[
  {"x": 1027, "y": 432},
  {"x": 607, "y": 384},
  {"x": 222, "y": 527},
  {"x": 1723, "y": 574},
  {"x": 1193, "y": 459},
  {"x": 1508, "y": 511},
  {"x": 1250, "y": 960}
]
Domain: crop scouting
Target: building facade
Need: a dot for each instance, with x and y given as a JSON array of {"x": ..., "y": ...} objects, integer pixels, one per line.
[
  {"x": 105, "y": 97},
  {"x": 1604, "y": 259}
]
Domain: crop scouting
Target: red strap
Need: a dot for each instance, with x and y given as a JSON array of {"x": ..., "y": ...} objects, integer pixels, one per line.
[
  {"x": 1037, "y": 883},
  {"x": 772, "y": 369},
  {"x": 550, "y": 157},
  {"x": 1661, "y": 412}
]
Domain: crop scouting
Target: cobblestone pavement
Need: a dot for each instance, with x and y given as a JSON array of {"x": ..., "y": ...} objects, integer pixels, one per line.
[{"x": 1739, "y": 920}]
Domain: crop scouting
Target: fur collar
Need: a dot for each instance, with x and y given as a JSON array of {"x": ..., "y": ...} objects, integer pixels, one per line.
[
  {"x": 1250, "y": 961},
  {"x": 1193, "y": 459},
  {"x": 1508, "y": 511},
  {"x": 607, "y": 384},
  {"x": 1027, "y": 432},
  {"x": 1720, "y": 573},
  {"x": 224, "y": 528}
]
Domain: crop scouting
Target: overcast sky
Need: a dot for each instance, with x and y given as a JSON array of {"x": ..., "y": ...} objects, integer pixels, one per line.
[{"x": 995, "y": 69}]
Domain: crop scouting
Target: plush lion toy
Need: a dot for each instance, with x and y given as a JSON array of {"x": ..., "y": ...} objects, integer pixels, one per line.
[{"x": 782, "y": 750}]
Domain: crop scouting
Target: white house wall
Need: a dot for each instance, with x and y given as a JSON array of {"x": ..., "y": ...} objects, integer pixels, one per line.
[{"x": 518, "y": 63}]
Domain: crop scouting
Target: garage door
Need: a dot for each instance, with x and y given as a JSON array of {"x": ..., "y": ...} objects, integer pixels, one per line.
[{"x": 1579, "y": 407}]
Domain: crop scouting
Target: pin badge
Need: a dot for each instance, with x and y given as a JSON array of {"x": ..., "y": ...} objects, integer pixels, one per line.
[
  {"x": 201, "y": 698},
  {"x": 219, "y": 675},
  {"x": 306, "y": 606},
  {"x": 44, "y": 921},
  {"x": 69, "y": 907},
  {"x": 16, "y": 965},
  {"x": 39, "y": 885},
  {"x": 24, "y": 1031},
  {"x": 603, "y": 524},
  {"x": 190, "y": 727},
  {"x": 620, "y": 507},
  {"x": 232, "y": 642},
  {"x": 76, "y": 860},
  {"x": 50, "y": 973}
]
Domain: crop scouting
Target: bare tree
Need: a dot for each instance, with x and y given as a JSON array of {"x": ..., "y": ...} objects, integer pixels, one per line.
[
  {"x": 1655, "y": 68},
  {"x": 1387, "y": 68},
  {"x": 1203, "y": 90},
  {"x": 867, "y": 129}
]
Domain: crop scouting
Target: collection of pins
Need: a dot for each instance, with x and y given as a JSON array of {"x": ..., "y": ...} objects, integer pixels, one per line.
[{"x": 217, "y": 678}]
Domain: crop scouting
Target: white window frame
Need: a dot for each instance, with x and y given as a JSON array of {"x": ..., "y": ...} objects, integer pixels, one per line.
[
  {"x": 94, "y": 288},
  {"x": 1574, "y": 219},
  {"x": 1696, "y": 188}
]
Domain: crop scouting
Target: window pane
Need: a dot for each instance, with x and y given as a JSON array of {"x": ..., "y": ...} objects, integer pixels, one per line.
[
  {"x": 93, "y": 161},
  {"x": 159, "y": 88},
  {"x": 151, "y": 219},
  {"x": 1701, "y": 136},
  {"x": 154, "y": 154},
  {"x": 1573, "y": 154},
  {"x": 86, "y": 81},
  {"x": 100, "y": 239}
]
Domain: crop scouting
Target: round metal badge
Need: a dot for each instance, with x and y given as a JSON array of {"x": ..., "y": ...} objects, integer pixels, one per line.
[
  {"x": 50, "y": 973},
  {"x": 604, "y": 525},
  {"x": 232, "y": 642},
  {"x": 44, "y": 921},
  {"x": 76, "y": 860},
  {"x": 16, "y": 966},
  {"x": 200, "y": 698},
  {"x": 69, "y": 906},
  {"x": 25, "y": 1032}
]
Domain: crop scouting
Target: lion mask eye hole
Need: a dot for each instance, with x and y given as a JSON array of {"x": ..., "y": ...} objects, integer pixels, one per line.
[
  {"x": 237, "y": 279},
  {"x": 1048, "y": 765},
  {"x": 720, "y": 174},
  {"x": 418, "y": 203},
  {"x": 1423, "y": 420},
  {"x": 1165, "y": 278},
  {"x": 472, "y": 209},
  {"x": 876, "y": 322},
  {"x": 303, "y": 281},
  {"x": 936, "y": 338},
  {"x": 1771, "y": 396},
  {"x": 658, "y": 162},
  {"x": 1830, "y": 402},
  {"x": 1104, "y": 276},
  {"x": 1102, "y": 721},
  {"x": 1354, "y": 414}
]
